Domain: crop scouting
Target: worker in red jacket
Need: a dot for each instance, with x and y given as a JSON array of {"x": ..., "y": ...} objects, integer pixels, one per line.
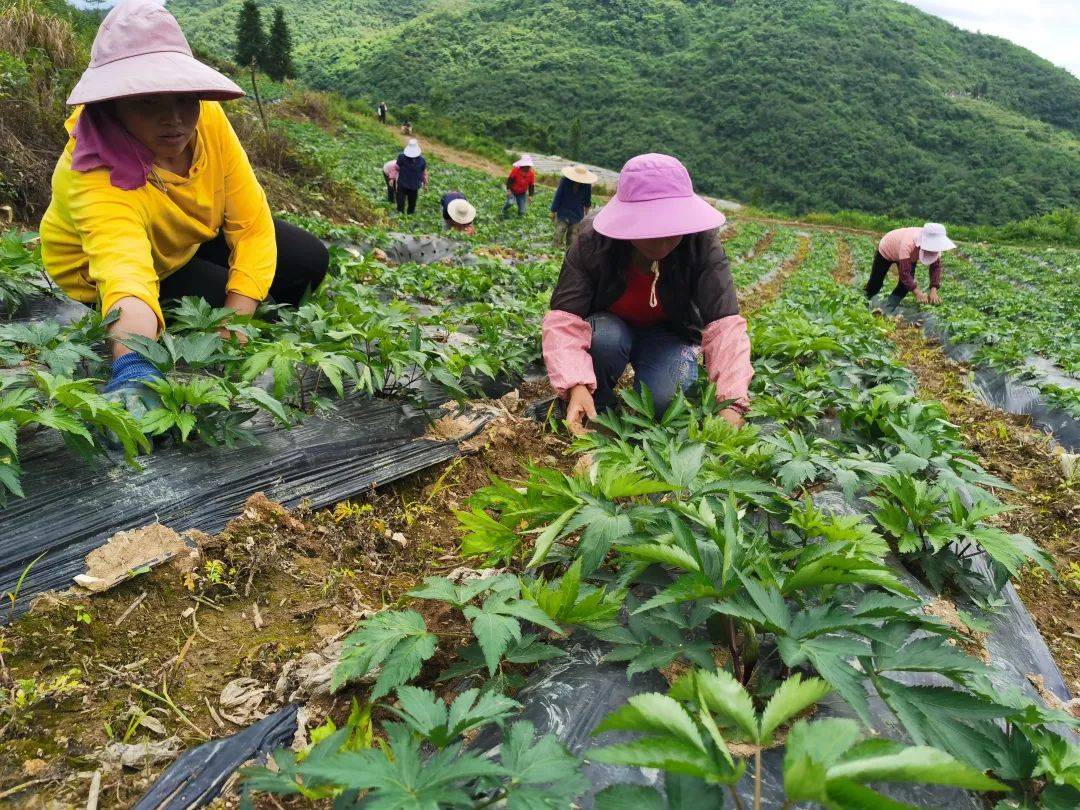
[{"x": 520, "y": 185}]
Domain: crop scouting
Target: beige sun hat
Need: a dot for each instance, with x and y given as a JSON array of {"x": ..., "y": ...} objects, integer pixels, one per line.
[
  {"x": 140, "y": 50},
  {"x": 579, "y": 174},
  {"x": 461, "y": 211}
]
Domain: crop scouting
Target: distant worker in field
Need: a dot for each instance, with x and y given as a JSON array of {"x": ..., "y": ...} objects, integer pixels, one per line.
[
  {"x": 390, "y": 174},
  {"x": 154, "y": 199},
  {"x": 647, "y": 283},
  {"x": 390, "y": 177},
  {"x": 382, "y": 112},
  {"x": 573, "y": 199},
  {"x": 406, "y": 128},
  {"x": 411, "y": 177},
  {"x": 906, "y": 248},
  {"x": 520, "y": 185},
  {"x": 458, "y": 213}
]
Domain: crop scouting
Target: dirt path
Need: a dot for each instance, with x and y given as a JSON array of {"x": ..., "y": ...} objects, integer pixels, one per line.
[
  {"x": 450, "y": 154},
  {"x": 1047, "y": 506}
]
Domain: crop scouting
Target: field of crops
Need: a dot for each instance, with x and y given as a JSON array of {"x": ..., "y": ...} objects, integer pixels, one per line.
[
  {"x": 811, "y": 609},
  {"x": 1014, "y": 308}
]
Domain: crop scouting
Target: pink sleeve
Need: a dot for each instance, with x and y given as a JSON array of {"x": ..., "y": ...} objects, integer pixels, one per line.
[
  {"x": 566, "y": 340},
  {"x": 726, "y": 348},
  {"x": 393, "y": 173}
]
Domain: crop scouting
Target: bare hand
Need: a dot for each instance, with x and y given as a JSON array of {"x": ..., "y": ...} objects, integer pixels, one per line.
[
  {"x": 920, "y": 296},
  {"x": 227, "y": 333},
  {"x": 732, "y": 417},
  {"x": 579, "y": 409},
  {"x": 934, "y": 298}
]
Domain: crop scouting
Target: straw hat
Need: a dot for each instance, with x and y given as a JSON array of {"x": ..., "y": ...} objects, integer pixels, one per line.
[
  {"x": 655, "y": 200},
  {"x": 579, "y": 174},
  {"x": 412, "y": 148},
  {"x": 139, "y": 50},
  {"x": 461, "y": 211},
  {"x": 932, "y": 239}
]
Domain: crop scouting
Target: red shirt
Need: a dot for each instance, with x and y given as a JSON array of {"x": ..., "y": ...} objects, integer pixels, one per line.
[
  {"x": 522, "y": 179},
  {"x": 633, "y": 305}
]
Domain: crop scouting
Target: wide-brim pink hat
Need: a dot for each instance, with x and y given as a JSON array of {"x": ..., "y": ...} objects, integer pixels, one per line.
[
  {"x": 655, "y": 199},
  {"x": 140, "y": 50}
]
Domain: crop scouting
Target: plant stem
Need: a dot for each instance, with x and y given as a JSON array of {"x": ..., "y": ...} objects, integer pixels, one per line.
[
  {"x": 736, "y": 661},
  {"x": 258, "y": 99},
  {"x": 735, "y": 798},
  {"x": 757, "y": 779},
  {"x": 168, "y": 702}
]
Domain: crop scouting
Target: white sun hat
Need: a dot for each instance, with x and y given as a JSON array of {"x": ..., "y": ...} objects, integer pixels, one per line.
[
  {"x": 412, "y": 148},
  {"x": 579, "y": 174},
  {"x": 461, "y": 211},
  {"x": 933, "y": 238},
  {"x": 523, "y": 161}
]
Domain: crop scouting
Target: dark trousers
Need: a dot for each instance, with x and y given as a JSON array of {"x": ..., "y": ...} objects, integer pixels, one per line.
[
  {"x": 390, "y": 194},
  {"x": 406, "y": 195},
  {"x": 302, "y": 263},
  {"x": 878, "y": 271}
]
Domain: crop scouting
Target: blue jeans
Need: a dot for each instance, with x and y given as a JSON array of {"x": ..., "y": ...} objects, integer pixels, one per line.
[
  {"x": 662, "y": 360},
  {"x": 520, "y": 199}
]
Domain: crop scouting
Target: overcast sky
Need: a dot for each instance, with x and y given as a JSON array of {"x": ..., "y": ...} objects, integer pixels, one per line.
[{"x": 1050, "y": 28}]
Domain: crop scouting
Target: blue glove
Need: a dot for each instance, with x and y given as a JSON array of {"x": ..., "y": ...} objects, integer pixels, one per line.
[{"x": 130, "y": 370}]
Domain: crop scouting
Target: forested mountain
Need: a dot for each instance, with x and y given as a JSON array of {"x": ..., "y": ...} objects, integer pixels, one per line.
[{"x": 799, "y": 104}]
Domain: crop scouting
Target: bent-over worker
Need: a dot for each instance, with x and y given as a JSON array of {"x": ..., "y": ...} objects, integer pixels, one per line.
[{"x": 906, "y": 248}]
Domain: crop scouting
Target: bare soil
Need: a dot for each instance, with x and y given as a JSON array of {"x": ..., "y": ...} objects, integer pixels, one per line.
[{"x": 272, "y": 588}]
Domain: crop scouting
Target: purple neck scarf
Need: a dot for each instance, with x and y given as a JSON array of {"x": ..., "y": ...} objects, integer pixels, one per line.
[{"x": 102, "y": 141}]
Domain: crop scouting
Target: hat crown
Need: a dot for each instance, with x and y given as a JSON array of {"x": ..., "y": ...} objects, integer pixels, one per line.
[
  {"x": 933, "y": 229},
  {"x": 653, "y": 177},
  {"x": 135, "y": 28}
]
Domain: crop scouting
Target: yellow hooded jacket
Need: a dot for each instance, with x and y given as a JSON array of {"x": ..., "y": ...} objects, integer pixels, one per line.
[{"x": 102, "y": 243}]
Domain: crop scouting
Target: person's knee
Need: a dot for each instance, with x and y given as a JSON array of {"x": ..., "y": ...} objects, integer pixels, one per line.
[
  {"x": 676, "y": 373},
  {"x": 610, "y": 335}
]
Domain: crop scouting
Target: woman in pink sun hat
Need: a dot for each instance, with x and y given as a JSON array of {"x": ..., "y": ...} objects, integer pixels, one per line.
[
  {"x": 647, "y": 283},
  {"x": 154, "y": 197}
]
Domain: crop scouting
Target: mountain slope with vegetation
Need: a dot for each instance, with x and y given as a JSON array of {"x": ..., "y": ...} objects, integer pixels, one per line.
[{"x": 807, "y": 105}]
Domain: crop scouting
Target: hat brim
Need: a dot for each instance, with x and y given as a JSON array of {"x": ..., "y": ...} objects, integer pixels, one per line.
[
  {"x": 146, "y": 74},
  {"x": 656, "y": 219},
  {"x": 937, "y": 244},
  {"x": 462, "y": 214},
  {"x": 411, "y": 151},
  {"x": 588, "y": 178}
]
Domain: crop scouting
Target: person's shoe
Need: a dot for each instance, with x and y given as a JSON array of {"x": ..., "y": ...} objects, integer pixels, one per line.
[{"x": 873, "y": 303}]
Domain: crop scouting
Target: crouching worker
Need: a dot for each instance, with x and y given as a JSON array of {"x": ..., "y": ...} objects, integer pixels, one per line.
[
  {"x": 458, "y": 213},
  {"x": 647, "y": 283},
  {"x": 153, "y": 198},
  {"x": 907, "y": 247}
]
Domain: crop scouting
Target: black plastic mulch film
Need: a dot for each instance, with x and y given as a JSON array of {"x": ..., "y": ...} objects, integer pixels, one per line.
[
  {"x": 73, "y": 506},
  {"x": 1000, "y": 390}
]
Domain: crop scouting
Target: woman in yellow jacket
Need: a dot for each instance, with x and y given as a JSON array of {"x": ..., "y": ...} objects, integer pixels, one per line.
[{"x": 154, "y": 197}]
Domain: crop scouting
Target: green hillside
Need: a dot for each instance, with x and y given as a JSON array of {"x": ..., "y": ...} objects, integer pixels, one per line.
[{"x": 800, "y": 104}]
